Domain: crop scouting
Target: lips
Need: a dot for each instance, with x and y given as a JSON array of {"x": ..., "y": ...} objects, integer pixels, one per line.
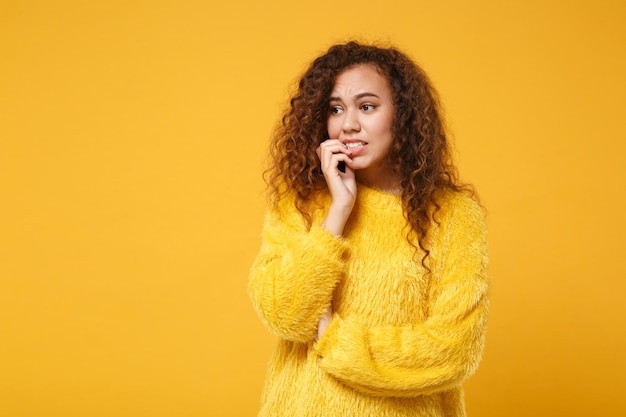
[{"x": 354, "y": 145}]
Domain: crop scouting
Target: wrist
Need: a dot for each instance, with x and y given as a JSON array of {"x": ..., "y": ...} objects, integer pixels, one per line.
[{"x": 336, "y": 219}]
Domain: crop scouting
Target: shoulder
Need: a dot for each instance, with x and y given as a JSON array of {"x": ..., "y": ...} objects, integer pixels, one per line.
[
  {"x": 460, "y": 230},
  {"x": 460, "y": 215},
  {"x": 454, "y": 204}
]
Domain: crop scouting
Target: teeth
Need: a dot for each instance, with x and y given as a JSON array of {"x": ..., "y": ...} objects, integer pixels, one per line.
[{"x": 354, "y": 145}]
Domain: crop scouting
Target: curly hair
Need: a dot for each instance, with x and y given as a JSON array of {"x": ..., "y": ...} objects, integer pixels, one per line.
[{"x": 419, "y": 155}]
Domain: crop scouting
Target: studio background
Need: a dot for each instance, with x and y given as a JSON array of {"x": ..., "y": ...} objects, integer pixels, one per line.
[{"x": 132, "y": 141}]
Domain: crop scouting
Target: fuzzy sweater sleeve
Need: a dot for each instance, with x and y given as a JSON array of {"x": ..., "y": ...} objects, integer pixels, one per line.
[
  {"x": 433, "y": 355},
  {"x": 294, "y": 274}
]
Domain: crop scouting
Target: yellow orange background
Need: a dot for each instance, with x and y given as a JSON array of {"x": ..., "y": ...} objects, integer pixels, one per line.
[{"x": 132, "y": 136}]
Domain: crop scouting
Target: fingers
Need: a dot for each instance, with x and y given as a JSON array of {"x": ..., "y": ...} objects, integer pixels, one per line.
[
  {"x": 331, "y": 152},
  {"x": 324, "y": 322},
  {"x": 341, "y": 182}
]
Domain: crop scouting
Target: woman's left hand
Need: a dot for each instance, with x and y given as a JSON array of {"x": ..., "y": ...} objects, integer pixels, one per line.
[{"x": 324, "y": 322}]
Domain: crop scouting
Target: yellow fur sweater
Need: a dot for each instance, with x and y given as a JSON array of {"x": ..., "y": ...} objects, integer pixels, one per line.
[{"x": 401, "y": 341}]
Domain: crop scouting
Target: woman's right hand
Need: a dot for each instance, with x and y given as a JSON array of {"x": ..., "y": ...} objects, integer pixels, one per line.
[{"x": 342, "y": 185}]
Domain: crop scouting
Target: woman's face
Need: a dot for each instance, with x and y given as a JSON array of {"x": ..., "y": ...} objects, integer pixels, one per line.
[{"x": 361, "y": 117}]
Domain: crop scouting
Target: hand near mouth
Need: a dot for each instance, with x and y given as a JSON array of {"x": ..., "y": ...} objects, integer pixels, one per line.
[{"x": 342, "y": 185}]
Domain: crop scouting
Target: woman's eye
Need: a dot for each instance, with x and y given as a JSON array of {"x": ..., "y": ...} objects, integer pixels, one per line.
[
  {"x": 367, "y": 107},
  {"x": 335, "y": 110}
]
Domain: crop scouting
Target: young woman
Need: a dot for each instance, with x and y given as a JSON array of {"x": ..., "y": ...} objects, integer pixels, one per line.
[{"x": 373, "y": 266}]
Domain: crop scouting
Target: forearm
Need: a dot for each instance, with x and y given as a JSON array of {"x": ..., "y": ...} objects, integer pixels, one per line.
[
  {"x": 293, "y": 278},
  {"x": 402, "y": 361}
]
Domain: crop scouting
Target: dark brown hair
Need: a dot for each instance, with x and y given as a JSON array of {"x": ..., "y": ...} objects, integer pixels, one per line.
[{"x": 419, "y": 155}]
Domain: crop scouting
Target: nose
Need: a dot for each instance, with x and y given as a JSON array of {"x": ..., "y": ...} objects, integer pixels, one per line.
[{"x": 351, "y": 121}]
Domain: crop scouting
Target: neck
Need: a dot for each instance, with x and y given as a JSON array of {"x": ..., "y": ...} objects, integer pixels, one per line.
[{"x": 384, "y": 181}]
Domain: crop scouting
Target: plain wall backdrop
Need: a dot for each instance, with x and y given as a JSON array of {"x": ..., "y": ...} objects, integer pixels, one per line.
[{"x": 132, "y": 141}]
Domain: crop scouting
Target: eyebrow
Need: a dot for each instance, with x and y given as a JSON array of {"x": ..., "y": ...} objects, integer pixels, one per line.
[{"x": 357, "y": 97}]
